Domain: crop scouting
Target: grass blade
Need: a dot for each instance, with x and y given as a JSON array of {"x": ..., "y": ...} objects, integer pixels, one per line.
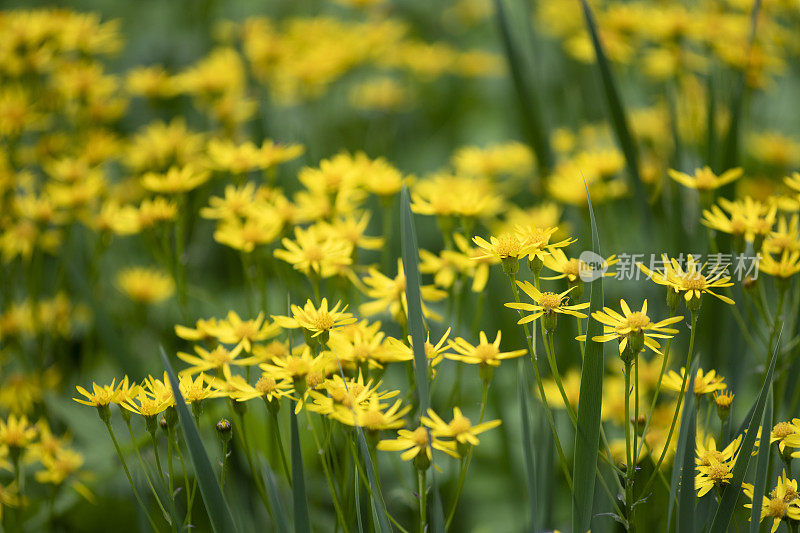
[
  {"x": 587, "y": 435},
  {"x": 281, "y": 524},
  {"x": 380, "y": 518},
  {"x": 727, "y": 506},
  {"x": 525, "y": 89},
  {"x": 619, "y": 121},
  {"x": 416, "y": 328},
  {"x": 762, "y": 465},
  {"x": 302, "y": 524},
  {"x": 217, "y": 508},
  {"x": 683, "y": 464}
]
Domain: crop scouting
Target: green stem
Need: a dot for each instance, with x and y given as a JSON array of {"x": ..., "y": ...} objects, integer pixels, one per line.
[
  {"x": 540, "y": 385},
  {"x": 422, "y": 489},
  {"x": 130, "y": 479},
  {"x": 279, "y": 444},
  {"x": 144, "y": 468},
  {"x": 687, "y": 367}
]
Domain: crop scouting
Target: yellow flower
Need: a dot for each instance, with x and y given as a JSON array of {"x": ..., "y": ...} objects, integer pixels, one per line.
[
  {"x": 266, "y": 388},
  {"x": 297, "y": 367},
  {"x": 714, "y": 466},
  {"x": 704, "y": 178},
  {"x": 786, "y": 434},
  {"x": 691, "y": 281},
  {"x": 352, "y": 229},
  {"x": 459, "y": 428},
  {"x": 314, "y": 251},
  {"x": 103, "y": 395},
  {"x": 9, "y": 497},
  {"x": 196, "y": 390},
  {"x": 389, "y": 294},
  {"x": 16, "y": 433},
  {"x": 782, "y": 504},
  {"x": 416, "y": 444},
  {"x": 784, "y": 268},
  {"x": 359, "y": 343},
  {"x": 703, "y": 383},
  {"x": 245, "y": 235},
  {"x": 374, "y": 416},
  {"x": 398, "y": 351},
  {"x": 546, "y": 303},
  {"x": 573, "y": 269},
  {"x": 786, "y": 238},
  {"x": 145, "y": 285},
  {"x": 504, "y": 246},
  {"x": 317, "y": 321},
  {"x": 633, "y": 328},
  {"x": 238, "y": 201},
  {"x": 233, "y": 330},
  {"x": 484, "y": 353},
  {"x": 176, "y": 180},
  {"x": 204, "y": 330},
  {"x": 538, "y": 242},
  {"x": 145, "y": 405},
  {"x": 220, "y": 358},
  {"x": 152, "y": 212},
  {"x": 240, "y": 158},
  {"x": 153, "y": 82}
]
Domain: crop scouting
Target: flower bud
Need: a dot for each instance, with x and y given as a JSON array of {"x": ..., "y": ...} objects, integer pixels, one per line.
[
  {"x": 224, "y": 430},
  {"x": 550, "y": 321},
  {"x": 673, "y": 299},
  {"x": 535, "y": 265},
  {"x": 486, "y": 372},
  {"x": 510, "y": 265},
  {"x": 104, "y": 411}
]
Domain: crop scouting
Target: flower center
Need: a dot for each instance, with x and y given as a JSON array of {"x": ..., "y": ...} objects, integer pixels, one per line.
[
  {"x": 704, "y": 179},
  {"x": 638, "y": 320},
  {"x": 420, "y": 437},
  {"x": 712, "y": 454},
  {"x": 777, "y": 508},
  {"x": 460, "y": 425},
  {"x": 297, "y": 367},
  {"x": 221, "y": 356},
  {"x": 694, "y": 282},
  {"x": 550, "y": 300},
  {"x": 485, "y": 352},
  {"x": 718, "y": 472},
  {"x": 508, "y": 246},
  {"x": 265, "y": 385},
  {"x": 372, "y": 419},
  {"x": 322, "y": 321},
  {"x": 783, "y": 430}
]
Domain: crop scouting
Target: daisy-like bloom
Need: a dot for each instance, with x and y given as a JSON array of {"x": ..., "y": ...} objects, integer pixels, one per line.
[
  {"x": 145, "y": 285},
  {"x": 237, "y": 202},
  {"x": 547, "y": 304},
  {"x": 786, "y": 238},
  {"x": 714, "y": 466},
  {"x": 347, "y": 393},
  {"x": 537, "y": 241},
  {"x": 204, "y": 330},
  {"x": 233, "y": 330},
  {"x": 316, "y": 251},
  {"x": 218, "y": 359},
  {"x": 16, "y": 433},
  {"x": 782, "y": 504},
  {"x": 359, "y": 344},
  {"x": 434, "y": 353},
  {"x": 196, "y": 390},
  {"x": 389, "y": 294},
  {"x": 416, "y": 446},
  {"x": 786, "y": 434},
  {"x": 573, "y": 268},
  {"x": 266, "y": 388},
  {"x": 373, "y": 416},
  {"x": 459, "y": 428},
  {"x": 691, "y": 280},
  {"x": 176, "y": 180},
  {"x": 104, "y": 395},
  {"x": 784, "y": 268},
  {"x": 749, "y": 220},
  {"x": 704, "y": 383},
  {"x": 297, "y": 368},
  {"x": 245, "y": 235},
  {"x": 509, "y": 248},
  {"x": 146, "y": 405},
  {"x": 317, "y": 322},
  {"x": 704, "y": 179},
  {"x": 351, "y": 229},
  {"x": 477, "y": 264},
  {"x": 633, "y": 329},
  {"x": 485, "y": 353}
]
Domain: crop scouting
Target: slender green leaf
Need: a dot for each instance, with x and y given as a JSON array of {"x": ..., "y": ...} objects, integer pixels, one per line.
[
  {"x": 682, "y": 481},
  {"x": 762, "y": 465},
  {"x": 619, "y": 120},
  {"x": 281, "y": 523},
  {"x": 587, "y": 435},
  {"x": 416, "y": 328},
  {"x": 525, "y": 87},
  {"x": 217, "y": 508},
  {"x": 302, "y": 523},
  {"x": 727, "y": 506}
]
